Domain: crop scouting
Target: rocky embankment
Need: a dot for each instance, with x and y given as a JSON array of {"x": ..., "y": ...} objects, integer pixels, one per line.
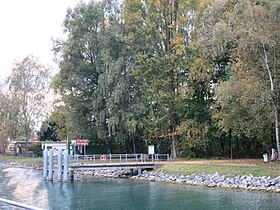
[
  {"x": 20, "y": 165},
  {"x": 246, "y": 182},
  {"x": 108, "y": 173}
]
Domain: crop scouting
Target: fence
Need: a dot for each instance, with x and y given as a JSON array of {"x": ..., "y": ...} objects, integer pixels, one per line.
[{"x": 117, "y": 158}]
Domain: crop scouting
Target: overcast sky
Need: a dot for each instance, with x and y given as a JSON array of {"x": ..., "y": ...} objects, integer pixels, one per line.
[{"x": 27, "y": 27}]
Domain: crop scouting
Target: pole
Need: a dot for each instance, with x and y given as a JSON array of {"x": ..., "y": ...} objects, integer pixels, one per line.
[
  {"x": 45, "y": 154},
  {"x": 65, "y": 168},
  {"x": 50, "y": 165},
  {"x": 59, "y": 170}
]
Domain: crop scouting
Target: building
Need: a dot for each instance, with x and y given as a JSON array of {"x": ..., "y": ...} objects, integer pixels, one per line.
[{"x": 55, "y": 145}]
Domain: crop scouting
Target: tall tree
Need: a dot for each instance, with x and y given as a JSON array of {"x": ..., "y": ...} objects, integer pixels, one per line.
[
  {"x": 94, "y": 79},
  {"x": 251, "y": 46},
  {"x": 28, "y": 86},
  {"x": 159, "y": 32}
]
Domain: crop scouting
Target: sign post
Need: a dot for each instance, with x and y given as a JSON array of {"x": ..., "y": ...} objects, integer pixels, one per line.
[{"x": 151, "y": 151}]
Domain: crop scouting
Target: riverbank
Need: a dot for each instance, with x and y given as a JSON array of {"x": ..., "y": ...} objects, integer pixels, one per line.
[
  {"x": 20, "y": 165},
  {"x": 253, "y": 174},
  {"x": 238, "y": 174},
  {"x": 244, "y": 182}
]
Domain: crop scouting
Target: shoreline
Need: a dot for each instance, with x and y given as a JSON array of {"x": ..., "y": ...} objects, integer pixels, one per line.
[
  {"x": 216, "y": 180},
  {"x": 20, "y": 165}
]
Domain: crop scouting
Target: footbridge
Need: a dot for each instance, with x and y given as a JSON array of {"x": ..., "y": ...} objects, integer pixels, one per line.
[{"x": 68, "y": 165}]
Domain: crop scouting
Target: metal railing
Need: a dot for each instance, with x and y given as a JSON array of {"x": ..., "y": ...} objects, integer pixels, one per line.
[
  {"x": 17, "y": 204},
  {"x": 117, "y": 158}
]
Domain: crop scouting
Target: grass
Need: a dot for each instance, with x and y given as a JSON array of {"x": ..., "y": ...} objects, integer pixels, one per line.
[
  {"x": 21, "y": 160},
  {"x": 226, "y": 167}
]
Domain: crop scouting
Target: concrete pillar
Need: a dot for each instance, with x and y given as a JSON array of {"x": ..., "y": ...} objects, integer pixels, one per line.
[
  {"x": 50, "y": 165},
  {"x": 59, "y": 162},
  {"x": 65, "y": 168},
  {"x": 45, "y": 170},
  {"x": 85, "y": 152},
  {"x": 131, "y": 172},
  {"x": 71, "y": 174}
]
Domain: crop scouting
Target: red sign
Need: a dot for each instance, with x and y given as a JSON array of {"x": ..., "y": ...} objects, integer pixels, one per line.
[{"x": 80, "y": 142}]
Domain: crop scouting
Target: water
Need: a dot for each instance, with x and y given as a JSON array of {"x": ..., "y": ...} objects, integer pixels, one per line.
[{"x": 27, "y": 186}]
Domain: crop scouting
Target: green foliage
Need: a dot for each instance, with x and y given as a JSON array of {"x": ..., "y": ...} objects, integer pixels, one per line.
[
  {"x": 185, "y": 75},
  {"x": 246, "y": 46},
  {"x": 36, "y": 149},
  {"x": 23, "y": 103}
]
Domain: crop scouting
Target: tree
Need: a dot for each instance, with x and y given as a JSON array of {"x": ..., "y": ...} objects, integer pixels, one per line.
[
  {"x": 94, "y": 79},
  {"x": 158, "y": 34},
  {"x": 4, "y": 117},
  {"x": 28, "y": 87},
  {"x": 250, "y": 47}
]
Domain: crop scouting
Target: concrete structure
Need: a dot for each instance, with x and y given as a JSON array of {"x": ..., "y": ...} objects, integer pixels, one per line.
[
  {"x": 138, "y": 167},
  {"x": 79, "y": 146},
  {"x": 54, "y": 145}
]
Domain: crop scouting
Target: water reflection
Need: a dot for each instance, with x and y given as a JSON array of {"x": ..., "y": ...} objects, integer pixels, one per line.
[
  {"x": 23, "y": 186},
  {"x": 28, "y": 186}
]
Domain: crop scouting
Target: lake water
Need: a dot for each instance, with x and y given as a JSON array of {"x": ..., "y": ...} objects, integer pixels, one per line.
[{"x": 29, "y": 187}]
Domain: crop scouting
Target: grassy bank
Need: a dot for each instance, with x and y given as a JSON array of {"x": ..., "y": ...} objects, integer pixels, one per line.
[
  {"x": 224, "y": 167},
  {"x": 21, "y": 160}
]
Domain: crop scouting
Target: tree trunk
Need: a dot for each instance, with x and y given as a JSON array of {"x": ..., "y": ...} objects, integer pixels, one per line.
[
  {"x": 276, "y": 128},
  {"x": 230, "y": 142},
  {"x": 173, "y": 149},
  {"x": 237, "y": 148},
  {"x": 107, "y": 145},
  {"x": 134, "y": 148},
  {"x": 274, "y": 102}
]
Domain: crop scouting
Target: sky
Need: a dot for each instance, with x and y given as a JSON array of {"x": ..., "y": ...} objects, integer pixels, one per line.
[{"x": 27, "y": 27}]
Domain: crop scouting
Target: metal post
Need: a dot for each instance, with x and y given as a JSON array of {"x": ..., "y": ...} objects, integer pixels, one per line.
[
  {"x": 110, "y": 158},
  {"x": 45, "y": 154},
  {"x": 71, "y": 174},
  {"x": 94, "y": 158},
  {"x": 136, "y": 158},
  {"x": 65, "y": 167},
  {"x": 59, "y": 169},
  {"x": 126, "y": 158},
  {"x": 120, "y": 158},
  {"x": 50, "y": 165},
  {"x": 131, "y": 172}
]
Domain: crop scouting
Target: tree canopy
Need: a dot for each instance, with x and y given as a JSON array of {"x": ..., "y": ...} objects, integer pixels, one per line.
[{"x": 194, "y": 78}]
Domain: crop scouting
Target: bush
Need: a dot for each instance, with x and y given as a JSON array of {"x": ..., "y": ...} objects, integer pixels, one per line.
[
  {"x": 187, "y": 154},
  {"x": 36, "y": 149}
]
